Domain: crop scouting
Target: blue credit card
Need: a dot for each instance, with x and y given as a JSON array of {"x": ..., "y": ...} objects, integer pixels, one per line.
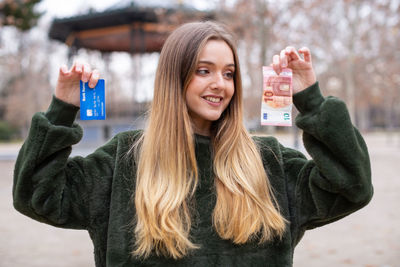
[{"x": 93, "y": 101}]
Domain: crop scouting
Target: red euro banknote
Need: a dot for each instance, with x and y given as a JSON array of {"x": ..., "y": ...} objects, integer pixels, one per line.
[{"x": 276, "y": 107}]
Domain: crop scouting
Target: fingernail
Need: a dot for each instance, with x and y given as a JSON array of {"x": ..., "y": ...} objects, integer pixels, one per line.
[{"x": 64, "y": 69}]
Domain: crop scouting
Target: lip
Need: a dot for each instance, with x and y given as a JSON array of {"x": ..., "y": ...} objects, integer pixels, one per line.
[{"x": 213, "y": 103}]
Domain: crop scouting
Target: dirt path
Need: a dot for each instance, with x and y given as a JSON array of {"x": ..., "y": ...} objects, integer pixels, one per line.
[{"x": 368, "y": 238}]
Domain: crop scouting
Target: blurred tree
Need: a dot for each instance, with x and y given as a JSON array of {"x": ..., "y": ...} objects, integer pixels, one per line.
[
  {"x": 358, "y": 41},
  {"x": 19, "y": 13},
  {"x": 354, "y": 45},
  {"x": 24, "y": 87}
]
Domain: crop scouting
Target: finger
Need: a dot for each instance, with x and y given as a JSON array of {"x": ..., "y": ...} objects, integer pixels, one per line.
[
  {"x": 284, "y": 61},
  {"x": 63, "y": 70},
  {"x": 94, "y": 78},
  {"x": 77, "y": 67},
  {"x": 86, "y": 72},
  {"x": 292, "y": 53},
  {"x": 305, "y": 51},
  {"x": 276, "y": 64}
]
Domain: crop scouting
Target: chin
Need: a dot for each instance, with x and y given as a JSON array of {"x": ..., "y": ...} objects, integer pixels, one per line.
[{"x": 213, "y": 117}]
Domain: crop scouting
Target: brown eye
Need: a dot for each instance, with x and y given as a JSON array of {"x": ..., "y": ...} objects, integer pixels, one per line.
[{"x": 229, "y": 75}]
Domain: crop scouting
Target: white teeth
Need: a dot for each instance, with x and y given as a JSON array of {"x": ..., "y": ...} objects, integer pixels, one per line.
[{"x": 213, "y": 99}]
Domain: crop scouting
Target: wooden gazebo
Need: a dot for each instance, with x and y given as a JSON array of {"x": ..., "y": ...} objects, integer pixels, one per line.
[{"x": 133, "y": 29}]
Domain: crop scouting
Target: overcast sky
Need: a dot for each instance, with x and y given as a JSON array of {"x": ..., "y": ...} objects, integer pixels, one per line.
[
  {"x": 59, "y": 9},
  {"x": 72, "y": 7}
]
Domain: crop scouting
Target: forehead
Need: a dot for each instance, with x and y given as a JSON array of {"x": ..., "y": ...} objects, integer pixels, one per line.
[{"x": 217, "y": 50}]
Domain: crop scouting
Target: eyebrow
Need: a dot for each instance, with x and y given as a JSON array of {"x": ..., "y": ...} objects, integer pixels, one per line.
[{"x": 212, "y": 63}]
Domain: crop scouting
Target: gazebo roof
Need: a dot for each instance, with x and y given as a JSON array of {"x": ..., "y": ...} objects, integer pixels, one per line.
[{"x": 132, "y": 29}]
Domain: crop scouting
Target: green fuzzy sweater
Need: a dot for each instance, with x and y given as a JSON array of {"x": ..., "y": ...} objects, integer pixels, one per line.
[{"x": 95, "y": 192}]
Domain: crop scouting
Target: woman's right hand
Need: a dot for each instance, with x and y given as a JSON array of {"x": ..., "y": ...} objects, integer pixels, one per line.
[{"x": 67, "y": 88}]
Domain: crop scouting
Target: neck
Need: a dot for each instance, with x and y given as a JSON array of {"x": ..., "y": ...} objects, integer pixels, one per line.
[{"x": 202, "y": 129}]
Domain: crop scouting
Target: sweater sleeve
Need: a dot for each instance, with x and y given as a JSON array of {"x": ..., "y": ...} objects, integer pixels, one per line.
[
  {"x": 337, "y": 181},
  {"x": 51, "y": 187}
]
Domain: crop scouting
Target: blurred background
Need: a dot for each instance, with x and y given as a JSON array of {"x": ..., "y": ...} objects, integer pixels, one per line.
[{"x": 356, "y": 55}]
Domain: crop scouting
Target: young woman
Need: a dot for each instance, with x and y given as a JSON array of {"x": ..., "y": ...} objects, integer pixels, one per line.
[{"x": 193, "y": 188}]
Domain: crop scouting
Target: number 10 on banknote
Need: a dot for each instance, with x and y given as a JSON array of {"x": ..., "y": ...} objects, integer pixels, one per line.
[{"x": 276, "y": 105}]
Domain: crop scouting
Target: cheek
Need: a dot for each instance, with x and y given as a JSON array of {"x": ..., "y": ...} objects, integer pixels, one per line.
[
  {"x": 230, "y": 92},
  {"x": 189, "y": 102},
  {"x": 191, "y": 90},
  {"x": 195, "y": 87}
]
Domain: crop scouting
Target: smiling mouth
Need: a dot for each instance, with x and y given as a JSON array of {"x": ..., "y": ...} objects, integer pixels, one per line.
[{"x": 213, "y": 99}]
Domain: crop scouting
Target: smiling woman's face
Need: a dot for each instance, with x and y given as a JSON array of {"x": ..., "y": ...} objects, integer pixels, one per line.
[{"x": 212, "y": 85}]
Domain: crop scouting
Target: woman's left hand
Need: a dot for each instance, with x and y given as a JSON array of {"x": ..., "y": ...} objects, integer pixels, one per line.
[{"x": 303, "y": 72}]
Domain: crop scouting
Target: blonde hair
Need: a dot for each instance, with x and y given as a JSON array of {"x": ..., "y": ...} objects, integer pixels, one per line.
[{"x": 167, "y": 173}]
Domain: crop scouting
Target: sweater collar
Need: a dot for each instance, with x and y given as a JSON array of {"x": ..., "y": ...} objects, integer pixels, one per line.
[{"x": 202, "y": 139}]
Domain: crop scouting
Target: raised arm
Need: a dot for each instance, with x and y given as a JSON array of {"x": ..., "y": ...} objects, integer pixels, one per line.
[
  {"x": 337, "y": 181},
  {"x": 48, "y": 185}
]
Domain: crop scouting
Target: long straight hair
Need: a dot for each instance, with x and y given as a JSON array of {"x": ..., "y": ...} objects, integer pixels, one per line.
[{"x": 167, "y": 173}]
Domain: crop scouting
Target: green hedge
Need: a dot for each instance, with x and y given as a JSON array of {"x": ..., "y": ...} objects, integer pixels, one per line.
[{"x": 7, "y": 132}]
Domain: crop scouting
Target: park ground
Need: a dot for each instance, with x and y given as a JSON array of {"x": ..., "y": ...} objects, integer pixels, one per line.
[{"x": 367, "y": 238}]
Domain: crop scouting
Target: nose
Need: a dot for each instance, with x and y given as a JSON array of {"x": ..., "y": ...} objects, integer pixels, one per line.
[{"x": 218, "y": 81}]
